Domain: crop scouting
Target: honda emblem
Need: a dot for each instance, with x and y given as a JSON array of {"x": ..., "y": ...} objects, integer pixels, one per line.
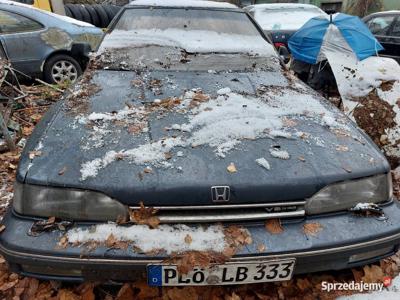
[{"x": 220, "y": 193}]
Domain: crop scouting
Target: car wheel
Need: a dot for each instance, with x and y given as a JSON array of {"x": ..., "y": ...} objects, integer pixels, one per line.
[{"x": 62, "y": 68}]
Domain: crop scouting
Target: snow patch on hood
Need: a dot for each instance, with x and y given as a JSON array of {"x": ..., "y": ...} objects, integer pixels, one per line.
[{"x": 222, "y": 123}]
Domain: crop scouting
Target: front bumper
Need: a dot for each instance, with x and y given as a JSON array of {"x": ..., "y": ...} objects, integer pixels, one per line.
[{"x": 345, "y": 241}]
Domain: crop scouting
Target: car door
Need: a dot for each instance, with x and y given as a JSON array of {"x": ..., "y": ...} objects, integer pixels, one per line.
[
  {"x": 381, "y": 26},
  {"x": 394, "y": 47},
  {"x": 22, "y": 42}
]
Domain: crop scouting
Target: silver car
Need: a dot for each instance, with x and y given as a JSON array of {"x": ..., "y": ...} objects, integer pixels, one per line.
[{"x": 42, "y": 44}]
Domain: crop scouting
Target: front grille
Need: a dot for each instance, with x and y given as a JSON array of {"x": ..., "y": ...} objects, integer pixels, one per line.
[{"x": 229, "y": 213}]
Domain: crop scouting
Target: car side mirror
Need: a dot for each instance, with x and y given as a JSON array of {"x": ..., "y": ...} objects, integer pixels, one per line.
[
  {"x": 284, "y": 54},
  {"x": 81, "y": 49}
]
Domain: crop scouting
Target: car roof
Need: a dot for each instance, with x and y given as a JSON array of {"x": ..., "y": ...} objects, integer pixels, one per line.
[
  {"x": 180, "y": 3},
  {"x": 281, "y": 5},
  {"x": 388, "y": 12}
]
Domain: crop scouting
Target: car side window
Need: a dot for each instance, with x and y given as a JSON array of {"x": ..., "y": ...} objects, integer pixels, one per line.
[
  {"x": 380, "y": 25},
  {"x": 396, "y": 28},
  {"x": 15, "y": 23}
]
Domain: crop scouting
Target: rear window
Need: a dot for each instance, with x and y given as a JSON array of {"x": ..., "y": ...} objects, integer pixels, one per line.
[
  {"x": 187, "y": 20},
  {"x": 15, "y": 23}
]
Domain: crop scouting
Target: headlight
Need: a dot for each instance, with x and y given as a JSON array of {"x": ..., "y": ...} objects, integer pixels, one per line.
[
  {"x": 65, "y": 203},
  {"x": 345, "y": 195}
]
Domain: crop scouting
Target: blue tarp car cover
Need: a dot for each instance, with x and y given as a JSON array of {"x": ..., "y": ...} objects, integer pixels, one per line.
[{"x": 306, "y": 44}]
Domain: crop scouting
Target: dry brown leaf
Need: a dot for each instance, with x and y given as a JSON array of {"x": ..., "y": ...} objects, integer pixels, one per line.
[
  {"x": 8, "y": 285},
  {"x": 342, "y": 148},
  {"x": 372, "y": 274},
  {"x": 168, "y": 155},
  {"x": 231, "y": 168},
  {"x": 312, "y": 228},
  {"x": 274, "y": 226},
  {"x": 125, "y": 293},
  {"x": 111, "y": 240},
  {"x": 357, "y": 274},
  {"x": 187, "y": 261},
  {"x": 65, "y": 294},
  {"x": 301, "y": 158},
  {"x": 261, "y": 248},
  {"x": 145, "y": 215},
  {"x": 33, "y": 154},
  {"x": 62, "y": 171},
  {"x": 2, "y": 228},
  {"x": 147, "y": 170},
  {"x": 187, "y": 293},
  {"x": 188, "y": 239},
  {"x": 146, "y": 291},
  {"x": 232, "y": 297}
]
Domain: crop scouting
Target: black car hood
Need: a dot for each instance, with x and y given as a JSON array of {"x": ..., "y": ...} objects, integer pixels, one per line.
[{"x": 319, "y": 153}]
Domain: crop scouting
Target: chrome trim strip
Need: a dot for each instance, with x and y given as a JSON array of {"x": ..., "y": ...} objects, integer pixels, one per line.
[
  {"x": 144, "y": 262},
  {"x": 226, "y": 206},
  {"x": 226, "y": 217}
]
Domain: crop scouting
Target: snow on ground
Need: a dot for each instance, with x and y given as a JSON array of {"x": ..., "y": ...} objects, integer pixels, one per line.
[
  {"x": 166, "y": 237},
  {"x": 392, "y": 293},
  {"x": 358, "y": 78},
  {"x": 221, "y": 123},
  {"x": 184, "y": 3},
  {"x": 193, "y": 41}
]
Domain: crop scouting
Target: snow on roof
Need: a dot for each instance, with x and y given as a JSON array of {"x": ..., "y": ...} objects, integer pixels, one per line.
[
  {"x": 284, "y": 6},
  {"x": 165, "y": 237},
  {"x": 222, "y": 123},
  {"x": 60, "y": 17},
  {"x": 194, "y": 41},
  {"x": 183, "y": 3},
  {"x": 285, "y": 16}
]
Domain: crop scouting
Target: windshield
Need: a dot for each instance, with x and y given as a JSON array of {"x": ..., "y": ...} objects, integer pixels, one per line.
[
  {"x": 288, "y": 18},
  {"x": 174, "y": 35}
]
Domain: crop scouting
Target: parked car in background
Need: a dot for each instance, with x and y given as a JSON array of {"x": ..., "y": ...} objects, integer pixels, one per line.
[
  {"x": 206, "y": 132},
  {"x": 279, "y": 21},
  {"x": 386, "y": 27},
  {"x": 43, "y": 44}
]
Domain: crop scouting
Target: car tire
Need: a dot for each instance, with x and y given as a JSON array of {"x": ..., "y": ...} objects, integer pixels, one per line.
[
  {"x": 68, "y": 12},
  {"x": 104, "y": 20},
  {"x": 111, "y": 11},
  {"x": 85, "y": 14},
  {"x": 76, "y": 13},
  {"x": 60, "y": 68},
  {"x": 93, "y": 15}
]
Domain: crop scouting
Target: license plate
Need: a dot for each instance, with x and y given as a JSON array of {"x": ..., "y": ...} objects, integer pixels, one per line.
[{"x": 230, "y": 273}]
